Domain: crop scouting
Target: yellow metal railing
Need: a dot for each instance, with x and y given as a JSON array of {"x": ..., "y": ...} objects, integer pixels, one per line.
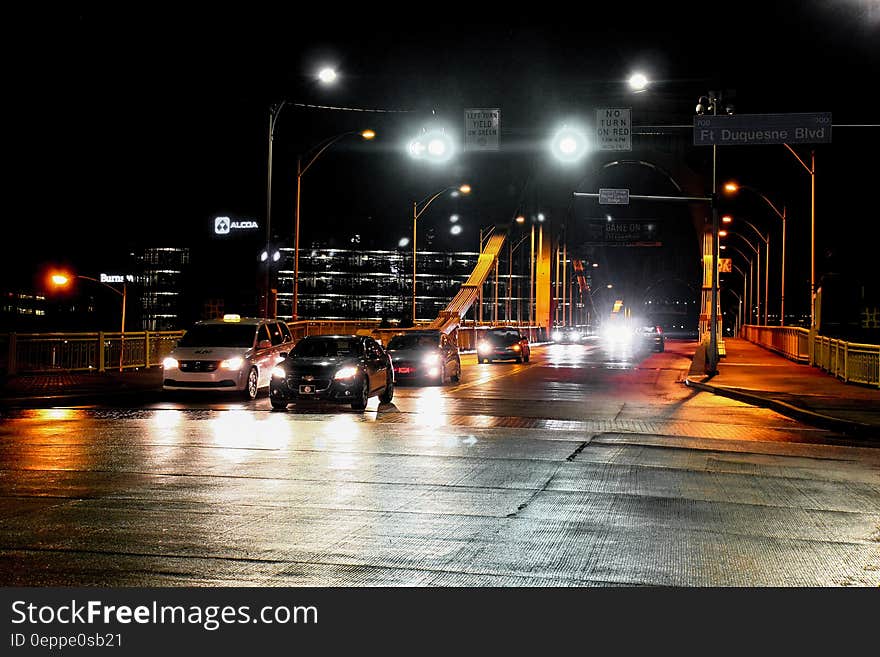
[{"x": 850, "y": 361}]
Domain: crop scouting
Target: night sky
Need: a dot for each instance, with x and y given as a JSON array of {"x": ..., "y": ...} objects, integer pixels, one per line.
[{"x": 134, "y": 128}]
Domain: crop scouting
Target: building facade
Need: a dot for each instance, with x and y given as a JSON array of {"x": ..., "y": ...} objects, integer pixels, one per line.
[{"x": 163, "y": 280}]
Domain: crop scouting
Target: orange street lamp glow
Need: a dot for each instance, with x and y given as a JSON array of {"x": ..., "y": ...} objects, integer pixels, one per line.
[
  {"x": 726, "y": 219},
  {"x": 59, "y": 279},
  {"x": 722, "y": 233},
  {"x": 520, "y": 219},
  {"x": 731, "y": 187},
  {"x": 465, "y": 189},
  {"x": 368, "y": 134}
]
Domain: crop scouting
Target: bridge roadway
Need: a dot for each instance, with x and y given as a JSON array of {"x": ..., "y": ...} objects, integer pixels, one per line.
[{"x": 583, "y": 467}]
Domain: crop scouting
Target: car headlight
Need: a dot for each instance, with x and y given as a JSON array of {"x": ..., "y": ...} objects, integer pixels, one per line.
[
  {"x": 516, "y": 347},
  {"x": 278, "y": 373},
  {"x": 557, "y": 336},
  {"x": 170, "y": 363},
  {"x": 431, "y": 359},
  {"x": 232, "y": 363},
  {"x": 346, "y": 373},
  {"x": 484, "y": 347}
]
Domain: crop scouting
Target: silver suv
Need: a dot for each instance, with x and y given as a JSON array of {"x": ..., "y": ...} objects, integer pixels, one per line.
[{"x": 233, "y": 353}]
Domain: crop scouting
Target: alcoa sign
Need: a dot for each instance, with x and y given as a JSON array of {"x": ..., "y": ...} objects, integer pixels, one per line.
[{"x": 225, "y": 225}]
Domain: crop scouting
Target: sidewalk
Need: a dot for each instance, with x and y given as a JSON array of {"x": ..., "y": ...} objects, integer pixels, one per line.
[
  {"x": 760, "y": 377},
  {"x": 74, "y": 385}
]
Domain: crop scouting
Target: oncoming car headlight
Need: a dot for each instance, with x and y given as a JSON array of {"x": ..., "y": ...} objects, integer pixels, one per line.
[
  {"x": 232, "y": 363},
  {"x": 431, "y": 359},
  {"x": 170, "y": 363},
  {"x": 346, "y": 373},
  {"x": 557, "y": 336},
  {"x": 278, "y": 373},
  {"x": 484, "y": 347},
  {"x": 516, "y": 347}
]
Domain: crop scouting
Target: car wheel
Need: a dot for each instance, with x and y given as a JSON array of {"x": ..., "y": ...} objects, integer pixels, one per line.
[
  {"x": 360, "y": 403},
  {"x": 278, "y": 405},
  {"x": 481, "y": 360},
  {"x": 252, "y": 384},
  {"x": 388, "y": 394}
]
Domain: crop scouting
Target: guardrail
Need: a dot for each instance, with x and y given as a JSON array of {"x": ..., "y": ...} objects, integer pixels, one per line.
[
  {"x": 26, "y": 353},
  {"x": 850, "y": 361},
  {"x": 47, "y": 352},
  {"x": 793, "y": 342}
]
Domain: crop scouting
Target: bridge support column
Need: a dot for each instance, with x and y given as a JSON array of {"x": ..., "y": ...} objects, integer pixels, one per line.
[{"x": 542, "y": 282}]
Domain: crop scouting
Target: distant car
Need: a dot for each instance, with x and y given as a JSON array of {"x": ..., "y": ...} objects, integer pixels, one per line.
[
  {"x": 652, "y": 337},
  {"x": 233, "y": 354},
  {"x": 337, "y": 368},
  {"x": 503, "y": 343},
  {"x": 569, "y": 334},
  {"x": 425, "y": 355}
]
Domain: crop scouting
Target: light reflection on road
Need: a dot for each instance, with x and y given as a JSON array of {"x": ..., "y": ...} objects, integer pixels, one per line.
[{"x": 430, "y": 411}]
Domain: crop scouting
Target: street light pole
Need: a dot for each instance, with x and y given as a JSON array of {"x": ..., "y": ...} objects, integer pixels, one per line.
[
  {"x": 425, "y": 203},
  {"x": 766, "y": 268},
  {"x": 300, "y": 172},
  {"x": 274, "y": 111},
  {"x": 749, "y": 296},
  {"x": 734, "y": 187},
  {"x": 812, "y": 171},
  {"x": 757, "y": 252},
  {"x": 63, "y": 279}
]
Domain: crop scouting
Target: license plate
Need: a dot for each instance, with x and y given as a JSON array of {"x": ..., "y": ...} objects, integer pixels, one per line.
[{"x": 307, "y": 390}]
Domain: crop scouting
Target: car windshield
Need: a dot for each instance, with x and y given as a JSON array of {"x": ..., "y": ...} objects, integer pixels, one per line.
[
  {"x": 326, "y": 348},
  {"x": 413, "y": 341},
  {"x": 503, "y": 336},
  {"x": 219, "y": 335}
]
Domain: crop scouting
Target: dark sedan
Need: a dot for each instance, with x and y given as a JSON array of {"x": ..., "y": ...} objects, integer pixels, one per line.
[
  {"x": 339, "y": 368},
  {"x": 503, "y": 343},
  {"x": 426, "y": 356}
]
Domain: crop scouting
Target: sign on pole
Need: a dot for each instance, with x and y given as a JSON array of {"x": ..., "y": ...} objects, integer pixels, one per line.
[
  {"x": 750, "y": 129},
  {"x": 614, "y": 196},
  {"x": 481, "y": 129},
  {"x": 614, "y": 129},
  {"x": 725, "y": 265}
]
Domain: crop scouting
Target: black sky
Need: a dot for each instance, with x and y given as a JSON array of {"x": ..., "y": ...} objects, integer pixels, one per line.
[{"x": 136, "y": 127}]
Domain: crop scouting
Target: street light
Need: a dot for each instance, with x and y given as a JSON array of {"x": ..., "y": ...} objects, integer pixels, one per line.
[
  {"x": 326, "y": 75},
  {"x": 766, "y": 240},
  {"x": 751, "y": 272},
  {"x": 757, "y": 252},
  {"x": 300, "y": 171},
  {"x": 417, "y": 212},
  {"x": 812, "y": 171},
  {"x": 732, "y": 188},
  {"x": 569, "y": 144},
  {"x": 638, "y": 82},
  {"x": 63, "y": 280}
]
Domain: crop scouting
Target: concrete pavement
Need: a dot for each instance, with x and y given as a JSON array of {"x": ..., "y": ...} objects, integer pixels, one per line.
[{"x": 760, "y": 377}]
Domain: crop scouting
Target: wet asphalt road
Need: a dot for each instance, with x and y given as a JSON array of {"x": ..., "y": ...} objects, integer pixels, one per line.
[{"x": 582, "y": 468}]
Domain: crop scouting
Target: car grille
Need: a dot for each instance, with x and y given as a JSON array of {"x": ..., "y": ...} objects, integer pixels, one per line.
[
  {"x": 198, "y": 365},
  {"x": 296, "y": 380}
]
